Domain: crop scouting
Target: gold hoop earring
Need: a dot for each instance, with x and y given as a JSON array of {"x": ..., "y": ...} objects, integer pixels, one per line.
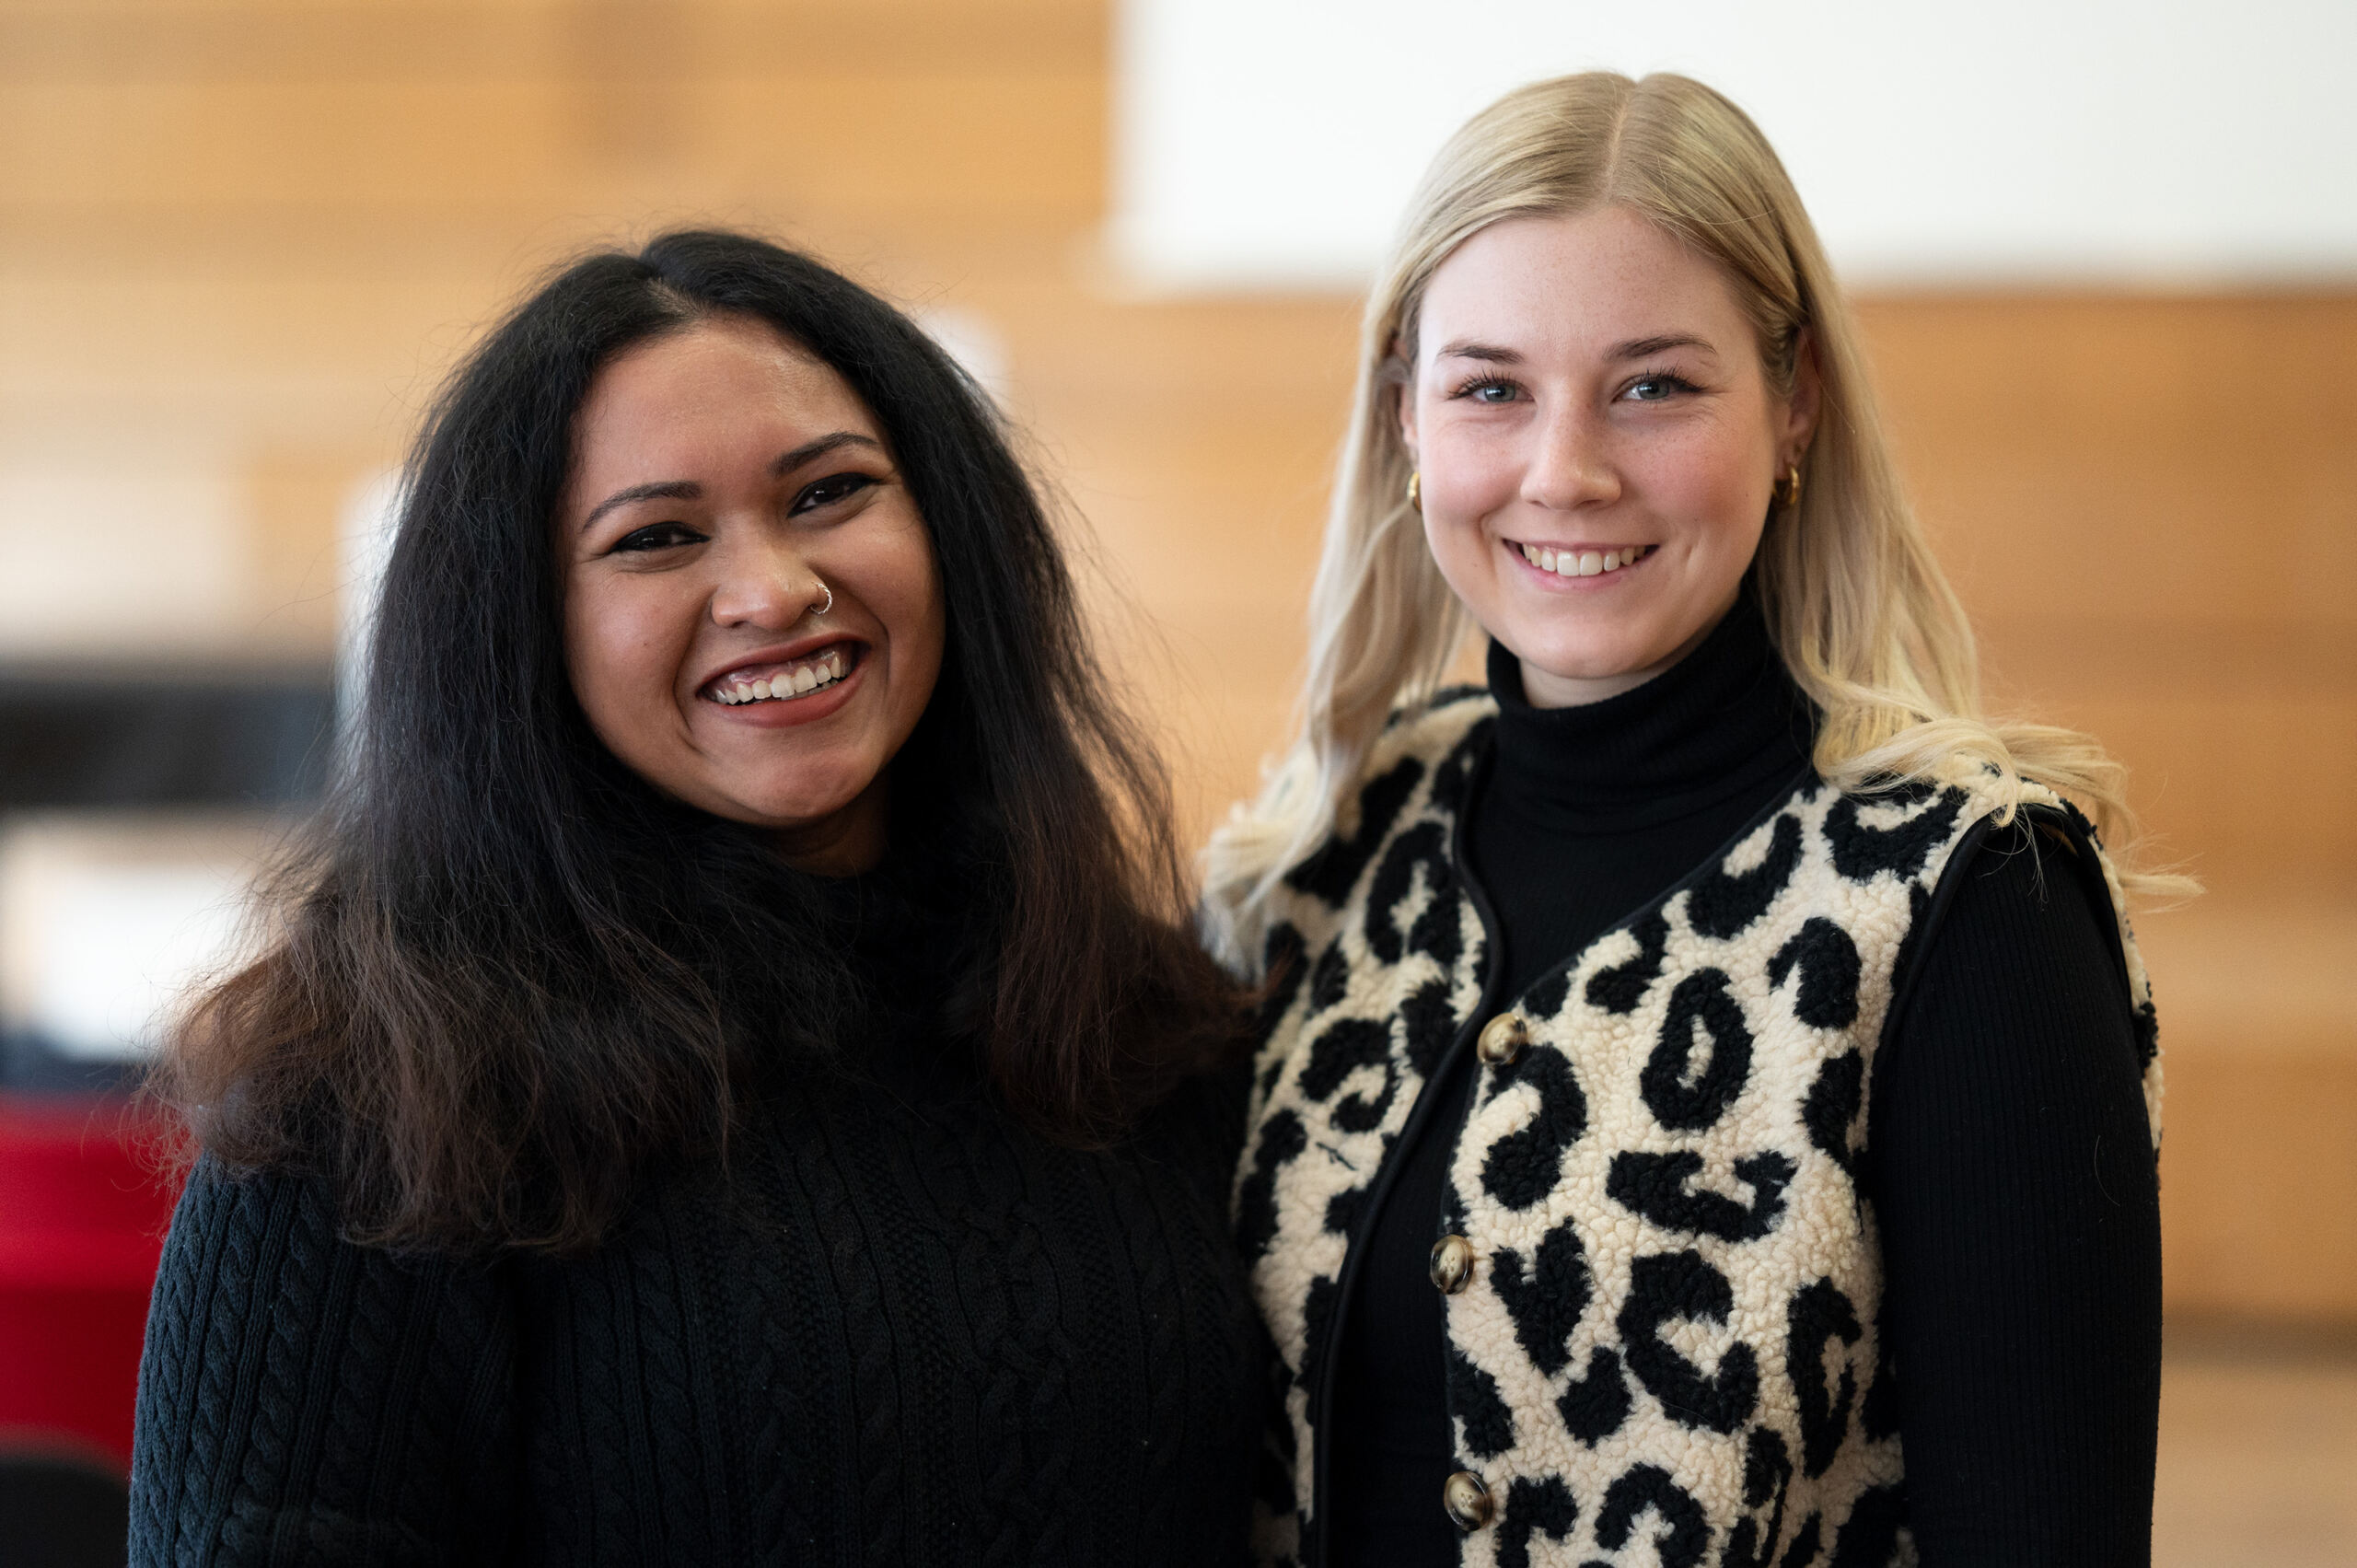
[
  {"x": 1788, "y": 488},
  {"x": 1416, "y": 491}
]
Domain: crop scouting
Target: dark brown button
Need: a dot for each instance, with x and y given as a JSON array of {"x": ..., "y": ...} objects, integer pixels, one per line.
[
  {"x": 1468, "y": 1501},
  {"x": 1501, "y": 1040},
  {"x": 1452, "y": 1264}
]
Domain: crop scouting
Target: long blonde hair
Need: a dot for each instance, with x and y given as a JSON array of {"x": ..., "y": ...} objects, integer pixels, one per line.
[{"x": 1858, "y": 607}]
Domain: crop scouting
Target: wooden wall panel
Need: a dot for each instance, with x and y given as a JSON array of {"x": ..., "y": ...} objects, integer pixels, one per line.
[
  {"x": 2134, "y": 457},
  {"x": 2258, "y": 1173},
  {"x": 842, "y": 141},
  {"x": 241, "y": 242},
  {"x": 2151, "y": 505}
]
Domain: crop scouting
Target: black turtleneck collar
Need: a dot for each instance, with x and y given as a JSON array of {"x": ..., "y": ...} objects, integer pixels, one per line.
[{"x": 1722, "y": 722}]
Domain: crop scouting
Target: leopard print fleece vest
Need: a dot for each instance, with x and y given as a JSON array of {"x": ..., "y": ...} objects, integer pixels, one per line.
[{"x": 1663, "y": 1283}]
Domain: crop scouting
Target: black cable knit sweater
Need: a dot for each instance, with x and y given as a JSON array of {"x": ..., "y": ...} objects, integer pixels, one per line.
[{"x": 897, "y": 1328}]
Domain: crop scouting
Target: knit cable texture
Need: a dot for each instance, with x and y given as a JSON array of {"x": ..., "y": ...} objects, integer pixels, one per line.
[{"x": 895, "y": 1328}]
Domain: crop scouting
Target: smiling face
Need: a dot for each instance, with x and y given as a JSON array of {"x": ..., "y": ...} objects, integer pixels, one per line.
[
  {"x": 725, "y": 483},
  {"x": 1599, "y": 442}
]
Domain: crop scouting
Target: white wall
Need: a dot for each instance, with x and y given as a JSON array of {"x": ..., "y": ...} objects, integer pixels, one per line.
[
  {"x": 118, "y": 549},
  {"x": 1272, "y": 143}
]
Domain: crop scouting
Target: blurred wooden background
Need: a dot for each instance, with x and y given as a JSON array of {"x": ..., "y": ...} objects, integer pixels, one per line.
[{"x": 239, "y": 243}]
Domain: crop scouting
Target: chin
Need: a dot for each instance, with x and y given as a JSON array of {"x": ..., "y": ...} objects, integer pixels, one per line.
[
  {"x": 799, "y": 800},
  {"x": 786, "y": 813},
  {"x": 1588, "y": 659}
]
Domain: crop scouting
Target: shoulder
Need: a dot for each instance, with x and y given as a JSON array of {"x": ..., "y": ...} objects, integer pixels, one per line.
[
  {"x": 274, "y": 1240},
  {"x": 287, "y": 1367},
  {"x": 1417, "y": 771},
  {"x": 264, "y": 1253},
  {"x": 1983, "y": 855},
  {"x": 227, "y": 1215},
  {"x": 2021, "y": 892},
  {"x": 2025, "y": 944},
  {"x": 1926, "y": 831},
  {"x": 1428, "y": 731}
]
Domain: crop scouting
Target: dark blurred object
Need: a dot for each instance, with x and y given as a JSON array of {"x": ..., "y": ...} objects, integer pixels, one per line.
[
  {"x": 79, "y": 736},
  {"x": 82, "y": 1210},
  {"x": 194, "y": 739},
  {"x": 28, "y": 1064},
  {"x": 60, "y": 1512}
]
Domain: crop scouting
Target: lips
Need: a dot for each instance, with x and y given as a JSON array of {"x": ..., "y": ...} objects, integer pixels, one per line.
[
  {"x": 1583, "y": 560},
  {"x": 769, "y": 679}
]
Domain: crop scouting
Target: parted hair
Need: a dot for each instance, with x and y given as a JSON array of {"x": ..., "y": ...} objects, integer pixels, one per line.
[
  {"x": 502, "y": 975},
  {"x": 1857, "y": 605}
]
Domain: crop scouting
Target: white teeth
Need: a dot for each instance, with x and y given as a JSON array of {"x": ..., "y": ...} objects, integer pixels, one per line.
[
  {"x": 830, "y": 667},
  {"x": 1582, "y": 563}
]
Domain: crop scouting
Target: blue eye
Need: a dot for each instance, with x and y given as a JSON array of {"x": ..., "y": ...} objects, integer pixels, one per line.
[
  {"x": 1489, "y": 390},
  {"x": 1658, "y": 387}
]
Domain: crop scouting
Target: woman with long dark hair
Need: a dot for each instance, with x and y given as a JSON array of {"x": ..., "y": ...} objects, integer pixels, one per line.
[{"x": 729, "y": 1079}]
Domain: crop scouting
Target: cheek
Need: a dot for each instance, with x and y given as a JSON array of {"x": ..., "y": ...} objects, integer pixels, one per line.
[
  {"x": 1710, "y": 481},
  {"x": 1713, "y": 476},
  {"x": 900, "y": 585},
  {"x": 1467, "y": 473},
  {"x": 621, "y": 648}
]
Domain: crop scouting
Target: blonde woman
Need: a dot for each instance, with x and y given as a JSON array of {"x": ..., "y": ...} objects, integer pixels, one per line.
[{"x": 1709, "y": 1100}]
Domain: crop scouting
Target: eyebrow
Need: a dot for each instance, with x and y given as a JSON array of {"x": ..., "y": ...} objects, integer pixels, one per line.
[
  {"x": 1645, "y": 348},
  {"x": 662, "y": 490},
  {"x": 1468, "y": 348},
  {"x": 1635, "y": 348},
  {"x": 689, "y": 490},
  {"x": 811, "y": 450}
]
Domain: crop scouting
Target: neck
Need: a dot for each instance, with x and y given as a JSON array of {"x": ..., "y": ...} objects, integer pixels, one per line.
[{"x": 1723, "y": 718}]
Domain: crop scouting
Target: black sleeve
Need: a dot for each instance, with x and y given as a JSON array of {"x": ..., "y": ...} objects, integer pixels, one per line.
[
  {"x": 2015, "y": 1182},
  {"x": 303, "y": 1400}
]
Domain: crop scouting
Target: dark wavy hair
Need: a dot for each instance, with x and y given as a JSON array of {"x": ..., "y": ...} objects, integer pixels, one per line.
[{"x": 504, "y": 974}]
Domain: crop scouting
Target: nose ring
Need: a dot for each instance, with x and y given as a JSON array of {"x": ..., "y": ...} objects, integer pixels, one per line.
[{"x": 830, "y": 599}]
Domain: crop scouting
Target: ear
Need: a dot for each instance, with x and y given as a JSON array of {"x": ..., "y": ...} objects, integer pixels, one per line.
[
  {"x": 1400, "y": 370},
  {"x": 1809, "y": 391}
]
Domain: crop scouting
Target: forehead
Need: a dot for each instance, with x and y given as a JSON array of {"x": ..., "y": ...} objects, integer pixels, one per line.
[
  {"x": 728, "y": 376},
  {"x": 1573, "y": 286}
]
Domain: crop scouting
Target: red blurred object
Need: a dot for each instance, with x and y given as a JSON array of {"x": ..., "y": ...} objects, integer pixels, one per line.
[{"x": 83, "y": 1213}]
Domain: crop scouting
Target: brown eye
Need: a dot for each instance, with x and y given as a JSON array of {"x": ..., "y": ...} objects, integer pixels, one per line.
[
  {"x": 658, "y": 536},
  {"x": 833, "y": 488}
]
